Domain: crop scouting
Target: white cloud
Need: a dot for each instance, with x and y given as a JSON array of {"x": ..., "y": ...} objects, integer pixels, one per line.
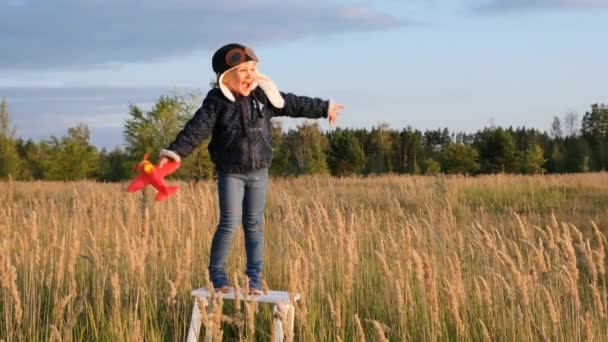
[
  {"x": 38, "y": 113},
  {"x": 67, "y": 34},
  {"x": 506, "y": 5}
]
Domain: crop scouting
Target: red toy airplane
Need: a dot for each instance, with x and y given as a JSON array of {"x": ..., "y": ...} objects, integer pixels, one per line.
[{"x": 154, "y": 175}]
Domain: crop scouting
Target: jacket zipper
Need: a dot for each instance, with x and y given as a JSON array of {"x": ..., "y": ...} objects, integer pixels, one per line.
[
  {"x": 250, "y": 153},
  {"x": 246, "y": 125},
  {"x": 248, "y": 128}
]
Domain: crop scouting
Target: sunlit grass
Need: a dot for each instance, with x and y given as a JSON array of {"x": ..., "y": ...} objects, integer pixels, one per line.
[{"x": 396, "y": 257}]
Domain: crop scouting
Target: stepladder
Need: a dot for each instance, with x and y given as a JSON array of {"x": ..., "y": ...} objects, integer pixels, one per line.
[{"x": 283, "y": 311}]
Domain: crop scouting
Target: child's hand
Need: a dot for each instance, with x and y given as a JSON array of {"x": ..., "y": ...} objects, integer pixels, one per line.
[
  {"x": 332, "y": 116},
  {"x": 163, "y": 161}
]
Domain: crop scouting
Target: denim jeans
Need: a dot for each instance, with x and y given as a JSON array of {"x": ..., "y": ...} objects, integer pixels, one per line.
[{"x": 242, "y": 197}]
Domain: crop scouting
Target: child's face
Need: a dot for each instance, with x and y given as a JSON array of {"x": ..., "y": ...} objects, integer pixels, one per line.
[{"x": 240, "y": 79}]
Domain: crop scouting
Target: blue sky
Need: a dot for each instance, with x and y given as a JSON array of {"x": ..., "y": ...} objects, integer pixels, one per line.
[{"x": 461, "y": 64}]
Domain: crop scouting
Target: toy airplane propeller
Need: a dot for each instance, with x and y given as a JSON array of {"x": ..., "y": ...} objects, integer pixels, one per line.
[{"x": 154, "y": 175}]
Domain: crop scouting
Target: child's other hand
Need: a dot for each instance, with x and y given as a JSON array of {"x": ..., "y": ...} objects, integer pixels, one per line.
[
  {"x": 163, "y": 161},
  {"x": 333, "y": 112}
]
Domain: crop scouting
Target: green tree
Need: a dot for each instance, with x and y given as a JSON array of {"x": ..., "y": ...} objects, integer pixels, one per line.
[
  {"x": 9, "y": 158},
  {"x": 577, "y": 155},
  {"x": 595, "y": 131},
  {"x": 307, "y": 148},
  {"x": 464, "y": 138},
  {"x": 459, "y": 159},
  {"x": 114, "y": 166},
  {"x": 434, "y": 141},
  {"x": 345, "y": 155},
  {"x": 72, "y": 157},
  {"x": 496, "y": 149},
  {"x": 198, "y": 165},
  {"x": 532, "y": 160},
  {"x": 280, "y": 154},
  {"x": 149, "y": 132},
  {"x": 409, "y": 154},
  {"x": 35, "y": 159},
  {"x": 556, "y": 161},
  {"x": 431, "y": 167},
  {"x": 595, "y": 123},
  {"x": 378, "y": 150},
  {"x": 524, "y": 137}
]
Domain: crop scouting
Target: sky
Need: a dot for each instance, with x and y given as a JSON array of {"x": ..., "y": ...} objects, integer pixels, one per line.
[{"x": 460, "y": 64}]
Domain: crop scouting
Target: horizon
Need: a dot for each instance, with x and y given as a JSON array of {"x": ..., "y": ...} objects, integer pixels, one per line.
[{"x": 461, "y": 65}]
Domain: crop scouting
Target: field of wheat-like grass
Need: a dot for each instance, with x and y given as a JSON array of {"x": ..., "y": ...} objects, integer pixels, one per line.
[{"x": 491, "y": 258}]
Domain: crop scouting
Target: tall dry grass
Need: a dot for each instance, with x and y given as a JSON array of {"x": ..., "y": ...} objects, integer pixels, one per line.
[{"x": 390, "y": 258}]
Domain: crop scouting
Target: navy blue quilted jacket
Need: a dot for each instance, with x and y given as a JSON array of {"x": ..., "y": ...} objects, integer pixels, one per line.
[{"x": 241, "y": 138}]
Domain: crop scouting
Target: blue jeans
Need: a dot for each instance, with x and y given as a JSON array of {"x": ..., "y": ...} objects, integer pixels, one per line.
[{"x": 242, "y": 197}]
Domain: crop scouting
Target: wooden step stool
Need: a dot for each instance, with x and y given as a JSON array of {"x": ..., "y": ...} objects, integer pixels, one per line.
[{"x": 280, "y": 299}]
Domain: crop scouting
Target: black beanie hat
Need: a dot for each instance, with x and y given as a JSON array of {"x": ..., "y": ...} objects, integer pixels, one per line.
[{"x": 231, "y": 55}]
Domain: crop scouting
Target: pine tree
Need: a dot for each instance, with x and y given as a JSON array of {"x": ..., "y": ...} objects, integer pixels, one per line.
[
  {"x": 114, "y": 166},
  {"x": 345, "y": 155},
  {"x": 378, "y": 150},
  {"x": 409, "y": 151},
  {"x": 497, "y": 152}
]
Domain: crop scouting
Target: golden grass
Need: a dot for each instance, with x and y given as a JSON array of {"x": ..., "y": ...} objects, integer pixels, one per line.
[{"x": 489, "y": 258}]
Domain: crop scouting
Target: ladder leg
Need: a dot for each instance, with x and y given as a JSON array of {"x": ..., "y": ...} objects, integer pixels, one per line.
[
  {"x": 209, "y": 327},
  {"x": 291, "y": 319},
  {"x": 195, "y": 322},
  {"x": 283, "y": 312},
  {"x": 278, "y": 323},
  {"x": 284, "y": 315}
]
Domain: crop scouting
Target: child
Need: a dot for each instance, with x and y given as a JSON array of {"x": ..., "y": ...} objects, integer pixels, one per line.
[{"x": 237, "y": 115}]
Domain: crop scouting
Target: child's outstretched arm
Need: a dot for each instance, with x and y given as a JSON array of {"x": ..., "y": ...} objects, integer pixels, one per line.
[
  {"x": 333, "y": 111},
  {"x": 307, "y": 107},
  {"x": 192, "y": 135}
]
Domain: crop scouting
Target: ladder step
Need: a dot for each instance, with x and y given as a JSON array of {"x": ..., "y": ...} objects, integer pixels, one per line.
[{"x": 276, "y": 297}]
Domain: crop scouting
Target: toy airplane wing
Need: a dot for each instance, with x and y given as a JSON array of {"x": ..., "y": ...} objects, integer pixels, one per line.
[
  {"x": 137, "y": 184},
  {"x": 168, "y": 168}
]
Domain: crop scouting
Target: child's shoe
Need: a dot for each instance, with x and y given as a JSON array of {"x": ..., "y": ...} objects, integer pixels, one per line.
[
  {"x": 223, "y": 289},
  {"x": 255, "y": 292},
  {"x": 255, "y": 286},
  {"x": 219, "y": 280}
]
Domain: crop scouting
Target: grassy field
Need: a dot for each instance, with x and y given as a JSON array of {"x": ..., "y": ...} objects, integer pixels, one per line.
[{"x": 492, "y": 258}]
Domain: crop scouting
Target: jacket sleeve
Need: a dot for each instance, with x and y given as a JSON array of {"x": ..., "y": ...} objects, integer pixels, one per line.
[
  {"x": 194, "y": 132},
  {"x": 302, "y": 107}
]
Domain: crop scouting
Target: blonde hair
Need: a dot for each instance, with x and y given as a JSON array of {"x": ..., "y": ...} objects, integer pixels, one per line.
[{"x": 227, "y": 74}]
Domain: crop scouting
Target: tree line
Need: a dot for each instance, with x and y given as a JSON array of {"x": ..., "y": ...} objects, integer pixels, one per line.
[{"x": 571, "y": 145}]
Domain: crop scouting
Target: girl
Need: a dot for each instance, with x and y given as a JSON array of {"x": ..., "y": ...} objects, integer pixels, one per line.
[{"x": 237, "y": 115}]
